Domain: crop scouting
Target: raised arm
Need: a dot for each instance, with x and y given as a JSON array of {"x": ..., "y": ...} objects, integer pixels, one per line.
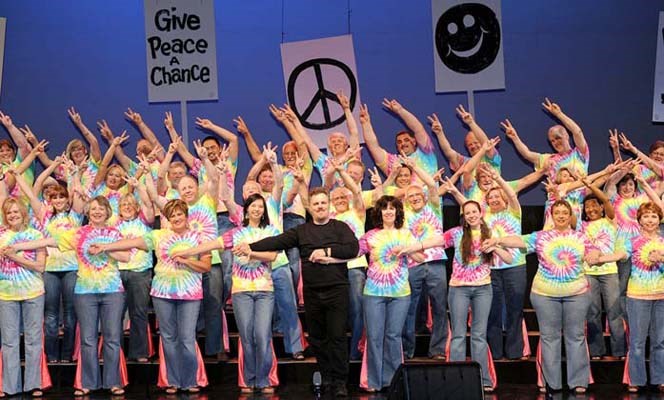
[
  {"x": 108, "y": 157},
  {"x": 31, "y": 157},
  {"x": 453, "y": 157},
  {"x": 95, "y": 150},
  {"x": 36, "y": 205},
  {"x": 41, "y": 178},
  {"x": 377, "y": 152},
  {"x": 350, "y": 184},
  {"x": 429, "y": 182},
  {"x": 151, "y": 190},
  {"x": 32, "y": 139},
  {"x": 351, "y": 124},
  {"x": 162, "y": 171},
  {"x": 225, "y": 194},
  {"x": 144, "y": 199},
  {"x": 411, "y": 121},
  {"x": 615, "y": 145},
  {"x": 286, "y": 116},
  {"x": 17, "y": 137},
  {"x": 225, "y": 134},
  {"x": 555, "y": 110},
  {"x": 521, "y": 148},
  {"x": 512, "y": 198},
  {"x": 184, "y": 153},
  {"x": 652, "y": 194},
  {"x": 252, "y": 146},
  {"x": 211, "y": 186},
  {"x": 474, "y": 162},
  {"x": 145, "y": 130},
  {"x": 474, "y": 127},
  {"x": 119, "y": 154},
  {"x": 609, "y": 212},
  {"x": 529, "y": 180},
  {"x": 647, "y": 161}
]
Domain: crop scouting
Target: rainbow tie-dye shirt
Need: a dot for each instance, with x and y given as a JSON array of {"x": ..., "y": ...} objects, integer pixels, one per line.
[
  {"x": 356, "y": 224},
  {"x": 574, "y": 159},
  {"x": 505, "y": 223},
  {"x": 173, "y": 280},
  {"x": 296, "y": 206},
  {"x": 426, "y": 224},
  {"x": 625, "y": 209},
  {"x": 88, "y": 172},
  {"x": 56, "y": 260},
  {"x": 17, "y": 282},
  {"x": 198, "y": 169},
  {"x": 494, "y": 162},
  {"x": 387, "y": 275},
  {"x": 113, "y": 196},
  {"x": 424, "y": 158},
  {"x": 96, "y": 273},
  {"x": 203, "y": 219},
  {"x": 140, "y": 260},
  {"x": 253, "y": 275},
  {"x": 560, "y": 255},
  {"x": 575, "y": 200},
  {"x": 602, "y": 234},
  {"x": 646, "y": 279},
  {"x": 474, "y": 273}
]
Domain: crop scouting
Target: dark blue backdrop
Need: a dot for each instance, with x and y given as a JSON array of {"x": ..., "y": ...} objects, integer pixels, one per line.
[{"x": 595, "y": 58}]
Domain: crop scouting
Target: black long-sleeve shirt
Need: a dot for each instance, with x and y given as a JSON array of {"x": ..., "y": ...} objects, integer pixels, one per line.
[{"x": 308, "y": 237}]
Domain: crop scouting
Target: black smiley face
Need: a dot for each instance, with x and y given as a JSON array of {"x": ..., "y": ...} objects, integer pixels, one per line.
[{"x": 468, "y": 37}]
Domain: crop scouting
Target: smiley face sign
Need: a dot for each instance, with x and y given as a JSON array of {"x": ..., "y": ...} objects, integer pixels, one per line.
[{"x": 468, "y": 37}]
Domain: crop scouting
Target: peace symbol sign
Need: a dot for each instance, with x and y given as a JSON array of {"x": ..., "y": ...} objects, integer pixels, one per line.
[{"x": 322, "y": 95}]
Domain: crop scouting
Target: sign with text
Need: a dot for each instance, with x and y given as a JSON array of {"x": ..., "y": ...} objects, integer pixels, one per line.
[
  {"x": 658, "y": 98},
  {"x": 181, "y": 50},
  {"x": 314, "y": 72},
  {"x": 467, "y": 45},
  {"x": 3, "y": 24}
]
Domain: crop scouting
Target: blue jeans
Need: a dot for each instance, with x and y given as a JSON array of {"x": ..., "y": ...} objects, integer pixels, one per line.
[
  {"x": 357, "y": 277},
  {"x": 292, "y": 220},
  {"x": 91, "y": 309},
  {"x": 478, "y": 298},
  {"x": 605, "y": 287},
  {"x": 137, "y": 289},
  {"x": 286, "y": 308},
  {"x": 433, "y": 275},
  {"x": 224, "y": 224},
  {"x": 624, "y": 270},
  {"x": 566, "y": 314},
  {"x": 211, "y": 310},
  {"x": 384, "y": 318},
  {"x": 59, "y": 286},
  {"x": 509, "y": 290},
  {"x": 253, "y": 314},
  {"x": 177, "y": 329},
  {"x": 646, "y": 318},
  {"x": 31, "y": 312}
]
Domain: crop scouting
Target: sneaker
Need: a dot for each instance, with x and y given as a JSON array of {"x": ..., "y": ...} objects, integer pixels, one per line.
[
  {"x": 340, "y": 390},
  {"x": 438, "y": 357}
]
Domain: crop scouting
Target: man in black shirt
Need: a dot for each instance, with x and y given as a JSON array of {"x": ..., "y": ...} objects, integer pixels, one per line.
[{"x": 325, "y": 285}]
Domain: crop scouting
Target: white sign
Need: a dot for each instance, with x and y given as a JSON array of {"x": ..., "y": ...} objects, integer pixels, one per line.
[
  {"x": 314, "y": 72},
  {"x": 658, "y": 97},
  {"x": 467, "y": 45},
  {"x": 181, "y": 50},
  {"x": 3, "y": 24}
]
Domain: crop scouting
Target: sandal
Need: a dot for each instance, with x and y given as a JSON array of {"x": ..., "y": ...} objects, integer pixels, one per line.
[
  {"x": 142, "y": 359},
  {"x": 488, "y": 389},
  {"x": 246, "y": 390},
  {"x": 117, "y": 391},
  {"x": 81, "y": 392},
  {"x": 36, "y": 393},
  {"x": 541, "y": 389},
  {"x": 193, "y": 389},
  {"x": 632, "y": 389},
  {"x": 580, "y": 390},
  {"x": 299, "y": 356},
  {"x": 171, "y": 390},
  {"x": 267, "y": 390}
]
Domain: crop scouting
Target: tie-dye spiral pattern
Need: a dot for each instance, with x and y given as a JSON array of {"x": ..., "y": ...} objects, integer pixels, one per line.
[
  {"x": 494, "y": 162},
  {"x": 56, "y": 260},
  {"x": 387, "y": 274},
  {"x": 28, "y": 175},
  {"x": 17, "y": 282},
  {"x": 96, "y": 273},
  {"x": 476, "y": 272},
  {"x": 649, "y": 175},
  {"x": 574, "y": 159},
  {"x": 426, "y": 224},
  {"x": 423, "y": 158},
  {"x": 198, "y": 170},
  {"x": 88, "y": 172},
  {"x": 505, "y": 223},
  {"x": 602, "y": 234},
  {"x": 140, "y": 260},
  {"x": 203, "y": 219},
  {"x": 625, "y": 209},
  {"x": 173, "y": 280},
  {"x": 356, "y": 224},
  {"x": 250, "y": 276},
  {"x": 646, "y": 280},
  {"x": 560, "y": 255}
]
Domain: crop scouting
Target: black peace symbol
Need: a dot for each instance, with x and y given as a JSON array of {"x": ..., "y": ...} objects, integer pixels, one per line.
[{"x": 322, "y": 95}]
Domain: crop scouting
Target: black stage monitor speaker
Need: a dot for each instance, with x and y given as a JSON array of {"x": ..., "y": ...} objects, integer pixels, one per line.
[{"x": 447, "y": 381}]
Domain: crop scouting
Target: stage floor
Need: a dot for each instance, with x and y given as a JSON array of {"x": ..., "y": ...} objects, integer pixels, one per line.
[{"x": 294, "y": 391}]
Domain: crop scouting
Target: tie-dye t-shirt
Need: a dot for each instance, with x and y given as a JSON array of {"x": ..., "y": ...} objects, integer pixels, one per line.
[
  {"x": 154, "y": 170},
  {"x": 649, "y": 175},
  {"x": 88, "y": 173},
  {"x": 17, "y": 282},
  {"x": 173, "y": 280},
  {"x": 625, "y": 209},
  {"x": 323, "y": 164},
  {"x": 424, "y": 158},
  {"x": 113, "y": 196},
  {"x": 575, "y": 200},
  {"x": 356, "y": 224},
  {"x": 560, "y": 255},
  {"x": 250, "y": 275},
  {"x": 387, "y": 275},
  {"x": 602, "y": 234},
  {"x": 505, "y": 223},
  {"x": 198, "y": 169},
  {"x": 426, "y": 224},
  {"x": 140, "y": 260},
  {"x": 574, "y": 159},
  {"x": 203, "y": 219},
  {"x": 28, "y": 175},
  {"x": 495, "y": 162},
  {"x": 236, "y": 219},
  {"x": 476, "y": 272},
  {"x": 296, "y": 206},
  {"x": 274, "y": 211},
  {"x": 56, "y": 260},
  {"x": 96, "y": 273},
  {"x": 646, "y": 279}
]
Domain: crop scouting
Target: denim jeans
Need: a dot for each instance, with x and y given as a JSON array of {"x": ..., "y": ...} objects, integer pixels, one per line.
[
  {"x": 284, "y": 300},
  {"x": 384, "y": 318},
  {"x": 31, "y": 312},
  {"x": 224, "y": 224},
  {"x": 292, "y": 220},
  {"x": 91, "y": 309},
  {"x": 253, "y": 314},
  {"x": 509, "y": 290},
  {"x": 433, "y": 275},
  {"x": 59, "y": 287},
  {"x": 624, "y": 270},
  {"x": 566, "y": 314},
  {"x": 606, "y": 288},
  {"x": 357, "y": 277},
  {"x": 478, "y": 298},
  {"x": 177, "y": 330},
  {"x": 646, "y": 319},
  {"x": 211, "y": 309},
  {"x": 137, "y": 289}
]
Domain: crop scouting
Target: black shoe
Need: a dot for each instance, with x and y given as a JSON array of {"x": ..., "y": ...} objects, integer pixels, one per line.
[{"x": 340, "y": 390}]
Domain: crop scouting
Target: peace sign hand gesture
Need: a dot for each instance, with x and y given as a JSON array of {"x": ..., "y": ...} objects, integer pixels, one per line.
[
  {"x": 553, "y": 108},
  {"x": 343, "y": 100},
  {"x": 133, "y": 116},
  {"x": 510, "y": 132},
  {"x": 464, "y": 115},
  {"x": 436, "y": 126}
]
